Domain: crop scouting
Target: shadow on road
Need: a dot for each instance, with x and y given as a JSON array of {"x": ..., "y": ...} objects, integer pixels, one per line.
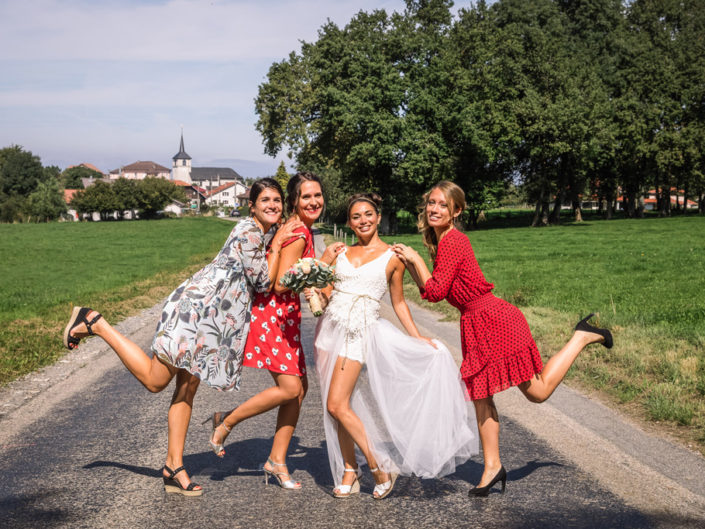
[{"x": 36, "y": 510}]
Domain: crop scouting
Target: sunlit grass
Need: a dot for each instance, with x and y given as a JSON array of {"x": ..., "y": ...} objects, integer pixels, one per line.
[
  {"x": 644, "y": 278},
  {"x": 118, "y": 267}
]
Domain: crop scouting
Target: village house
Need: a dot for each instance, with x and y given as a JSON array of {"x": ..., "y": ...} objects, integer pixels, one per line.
[{"x": 140, "y": 170}]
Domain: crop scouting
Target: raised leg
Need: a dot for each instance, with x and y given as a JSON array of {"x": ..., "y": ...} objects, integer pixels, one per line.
[
  {"x": 542, "y": 386},
  {"x": 150, "y": 371}
]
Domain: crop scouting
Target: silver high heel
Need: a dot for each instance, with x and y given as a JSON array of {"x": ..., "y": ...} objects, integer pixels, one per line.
[
  {"x": 345, "y": 491},
  {"x": 288, "y": 484},
  {"x": 384, "y": 489},
  {"x": 218, "y": 448}
]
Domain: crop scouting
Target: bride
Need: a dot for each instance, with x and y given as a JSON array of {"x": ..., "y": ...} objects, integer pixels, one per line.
[{"x": 408, "y": 414}]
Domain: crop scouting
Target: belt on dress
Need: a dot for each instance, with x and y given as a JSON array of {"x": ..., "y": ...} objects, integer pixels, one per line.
[
  {"x": 478, "y": 303},
  {"x": 356, "y": 298}
]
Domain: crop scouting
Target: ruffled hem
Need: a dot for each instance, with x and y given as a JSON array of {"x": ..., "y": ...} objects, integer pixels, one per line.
[{"x": 504, "y": 373}]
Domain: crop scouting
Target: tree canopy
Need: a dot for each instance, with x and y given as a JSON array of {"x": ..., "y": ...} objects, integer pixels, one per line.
[{"x": 570, "y": 100}]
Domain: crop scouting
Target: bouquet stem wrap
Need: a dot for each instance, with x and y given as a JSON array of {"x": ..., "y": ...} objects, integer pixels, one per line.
[{"x": 309, "y": 273}]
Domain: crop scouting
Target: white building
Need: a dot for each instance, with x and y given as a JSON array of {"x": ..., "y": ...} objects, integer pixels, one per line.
[
  {"x": 225, "y": 195},
  {"x": 208, "y": 178}
]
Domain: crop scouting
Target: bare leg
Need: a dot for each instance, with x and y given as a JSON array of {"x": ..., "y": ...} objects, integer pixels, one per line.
[
  {"x": 288, "y": 388},
  {"x": 488, "y": 426},
  {"x": 287, "y": 417},
  {"x": 150, "y": 371},
  {"x": 539, "y": 388},
  {"x": 342, "y": 385},
  {"x": 347, "y": 448},
  {"x": 179, "y": 418}
]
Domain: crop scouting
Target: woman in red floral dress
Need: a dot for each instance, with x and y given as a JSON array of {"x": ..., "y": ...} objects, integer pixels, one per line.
[
  {"x": 498, "y": 349},
  {"x": 274, "y": 341}
]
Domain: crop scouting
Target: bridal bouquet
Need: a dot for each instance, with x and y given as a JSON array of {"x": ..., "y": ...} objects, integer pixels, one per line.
[{"x": 309, "y": 273}]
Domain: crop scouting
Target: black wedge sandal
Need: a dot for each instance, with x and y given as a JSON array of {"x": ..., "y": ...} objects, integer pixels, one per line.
[
  {"x": 583, "y": 325},
  {"x": 172, "y": 485},
  {"x": 78, "y": 316}
]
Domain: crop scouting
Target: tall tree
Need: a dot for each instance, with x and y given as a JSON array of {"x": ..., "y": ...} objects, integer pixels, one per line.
[{"x": 20, "y": 171}]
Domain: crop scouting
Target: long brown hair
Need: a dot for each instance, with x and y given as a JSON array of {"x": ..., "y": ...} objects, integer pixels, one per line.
[
  {"x": 293, "y": 188},
  {"x": 455, "y": 198}
]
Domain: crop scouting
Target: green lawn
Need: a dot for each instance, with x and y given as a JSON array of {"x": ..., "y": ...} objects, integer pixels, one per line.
[
  {"x": 645, "y": 278},
  {"x": 119, "y": 267}
]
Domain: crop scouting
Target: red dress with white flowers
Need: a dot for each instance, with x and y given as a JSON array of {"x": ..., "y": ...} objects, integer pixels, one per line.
[
  {"x": 498, "y": 349},
  {"x": 274, "y": 341}
]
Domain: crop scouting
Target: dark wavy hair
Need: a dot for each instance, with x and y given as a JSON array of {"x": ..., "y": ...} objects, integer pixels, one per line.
[
  {"x": 262, "y": 184},
  {"x": 371, "y": 198},
  {"x": 293, "y": 188}
]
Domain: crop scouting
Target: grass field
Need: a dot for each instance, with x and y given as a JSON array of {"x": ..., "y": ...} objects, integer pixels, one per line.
[
  {"x": 119, "y": 267},
  {"x": 645, "y": 278}
]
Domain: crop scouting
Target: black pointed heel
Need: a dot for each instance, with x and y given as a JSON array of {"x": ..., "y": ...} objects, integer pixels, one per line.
[
  {"x": 484, "y": 491},
  {"x": 583, "y": 325}
]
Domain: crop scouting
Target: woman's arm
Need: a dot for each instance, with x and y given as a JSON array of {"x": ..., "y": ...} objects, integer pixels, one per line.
[
  {"x": 414, "y": 263},
  {"x": 434, "y": 287},
  {"x": 396, "y": 293},
  {"x": 284, "y": 233},
  {"x": 290, "y": 253}
]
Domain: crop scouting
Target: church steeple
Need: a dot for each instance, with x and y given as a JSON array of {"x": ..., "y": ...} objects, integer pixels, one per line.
[
  {"x": 181, "y": 166},
  {"x": 181, "y": 155}
]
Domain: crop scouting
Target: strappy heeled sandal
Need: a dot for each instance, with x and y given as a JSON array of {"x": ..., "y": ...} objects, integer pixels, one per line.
[
  {"x": 384, "y": 489},
  {"x": 288, "y": 484},
  {"x": 78, "y": 316},
  {"x": 218, "y": 448},
  {"x": 172, "y": 485},
  {"x": 345, "y": 491}
]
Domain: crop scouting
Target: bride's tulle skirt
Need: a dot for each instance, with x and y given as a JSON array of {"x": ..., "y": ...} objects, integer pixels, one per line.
[{"x": 409, "y": 397}]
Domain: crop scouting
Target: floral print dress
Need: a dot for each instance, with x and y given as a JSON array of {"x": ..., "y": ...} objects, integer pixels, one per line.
[{"x": 205, "y": 321}]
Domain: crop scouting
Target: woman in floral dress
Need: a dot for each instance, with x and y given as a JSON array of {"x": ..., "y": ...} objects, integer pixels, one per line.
[
  {"x": 203, "y": 327},
  {"x": 274, "y": 342},
  {"x": 498, "y": 349}
]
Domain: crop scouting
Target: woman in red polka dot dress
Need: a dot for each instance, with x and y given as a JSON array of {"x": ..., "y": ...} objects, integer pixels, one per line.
[
  {"x": 274, "y": 341},
  {"x": 498, "y": 349}
]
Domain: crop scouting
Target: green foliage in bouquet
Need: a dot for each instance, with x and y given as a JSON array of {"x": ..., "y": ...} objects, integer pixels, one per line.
[{"x": 308, "y": 273}]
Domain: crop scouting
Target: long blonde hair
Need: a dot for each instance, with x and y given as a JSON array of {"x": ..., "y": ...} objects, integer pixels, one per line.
[{"x": 455, "y": 198}]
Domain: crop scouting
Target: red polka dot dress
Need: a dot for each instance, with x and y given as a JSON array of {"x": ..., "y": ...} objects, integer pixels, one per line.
[
  {"x": 274, "y": 341},
  {"x": 498, "y": 349}
]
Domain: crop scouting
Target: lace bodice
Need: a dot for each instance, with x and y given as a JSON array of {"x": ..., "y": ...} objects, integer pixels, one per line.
[{"x": 354, "y": 303}]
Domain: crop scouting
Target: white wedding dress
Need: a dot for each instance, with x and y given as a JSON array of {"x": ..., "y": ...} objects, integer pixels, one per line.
[{"x": 409, "y": 396}]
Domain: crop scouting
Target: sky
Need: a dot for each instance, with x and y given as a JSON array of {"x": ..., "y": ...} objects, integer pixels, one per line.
[{"x": 110, "y": 82}]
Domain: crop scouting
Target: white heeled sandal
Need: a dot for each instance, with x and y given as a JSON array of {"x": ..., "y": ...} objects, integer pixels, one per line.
[
  {"x": 382, "y": 490},
  {"x": 345, "y": 491}
]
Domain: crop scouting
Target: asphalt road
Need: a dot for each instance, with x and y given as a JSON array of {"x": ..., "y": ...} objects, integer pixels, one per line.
[{"x": 82, "y": 445}]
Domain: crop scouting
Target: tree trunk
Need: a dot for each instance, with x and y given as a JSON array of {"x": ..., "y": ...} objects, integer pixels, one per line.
[
  {"x": 555, "y": 217},
  {"x": 537, "y": 212},
  {"x": 685, "y": 198},
  {"x": 631, "y": 203}
]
